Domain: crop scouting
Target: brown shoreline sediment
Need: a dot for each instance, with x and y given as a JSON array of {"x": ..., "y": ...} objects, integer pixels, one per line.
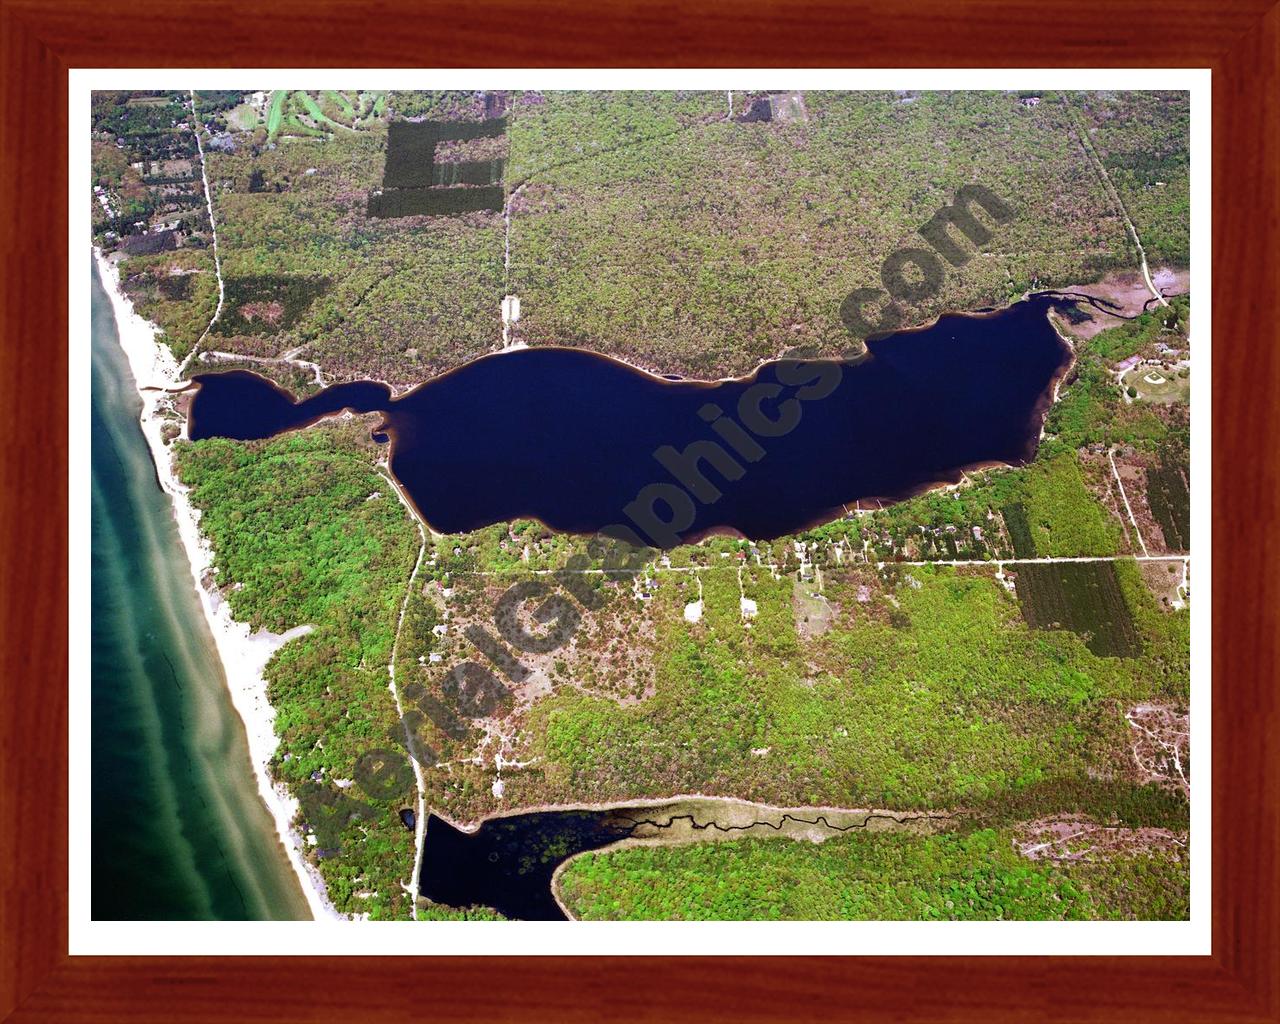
[{"x": 472, "y": 825}]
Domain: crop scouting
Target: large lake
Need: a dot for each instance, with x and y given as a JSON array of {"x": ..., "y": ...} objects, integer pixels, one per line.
[{"x": 586, "y": 443}]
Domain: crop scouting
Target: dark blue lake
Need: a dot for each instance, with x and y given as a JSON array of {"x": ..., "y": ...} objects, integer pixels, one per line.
[{"x": 585, "y": 443}]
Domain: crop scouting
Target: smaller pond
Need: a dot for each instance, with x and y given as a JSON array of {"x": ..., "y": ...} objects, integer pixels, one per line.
[{"x": 507, "y": 863}]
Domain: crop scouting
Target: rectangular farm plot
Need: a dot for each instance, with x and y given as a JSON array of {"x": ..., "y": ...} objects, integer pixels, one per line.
[
  {"x": 415, "y": 184},
  {"x": 467, "y": 172},
  {"x": 411, "y": 148},
  {"x": 435, "y": 202},
  {"x": 1169, "y": 496},
  {"x": 1015, "y": 521},
  {"x": 410, "y": 152},
  {"x": 1084, "y": 597}
]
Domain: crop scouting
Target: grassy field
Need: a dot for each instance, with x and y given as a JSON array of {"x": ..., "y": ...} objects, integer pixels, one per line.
[
  {"x": 275, "y": 114},
  {"x": 1156, "y": 384}
]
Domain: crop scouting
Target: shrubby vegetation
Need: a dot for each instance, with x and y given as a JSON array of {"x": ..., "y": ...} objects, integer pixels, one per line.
[
  {"x": 1166, "y": 636},
  {"x": 447, "y": 105},
  {"x": 436, "y": 912},
  {"x": 1143, "y": 140},
  {"x": 1064, "y": 517},
  {"x": 553, "y": 130},
  {"x": 177, "y": 291},
  {"x": 974, "y": 876},
  {"x": 148, "y": 202},
  {"x": 1045, "y": 508},
  {"x": 650, "y": 226},
  {"x": 688, "y": 243},
  {"x": 306, "y": 532},
  {"x": 931, "y": 692},
  {"x": 407, "y": 298}
]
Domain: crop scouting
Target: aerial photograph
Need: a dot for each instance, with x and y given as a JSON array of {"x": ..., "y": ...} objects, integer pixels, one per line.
[{"x": 567, "y": 505}]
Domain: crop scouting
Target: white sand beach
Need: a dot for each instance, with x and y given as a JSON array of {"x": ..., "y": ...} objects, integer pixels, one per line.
[{"x": 243, "y": 654}]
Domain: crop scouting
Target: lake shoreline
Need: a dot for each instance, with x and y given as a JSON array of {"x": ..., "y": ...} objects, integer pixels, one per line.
[
  {"x": 245, "y": 405},
  {"x": 242, "y": 653}
]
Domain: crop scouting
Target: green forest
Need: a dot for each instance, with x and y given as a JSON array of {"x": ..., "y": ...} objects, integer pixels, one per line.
[
  {"x": 307, "y": 532},
  {"x": 661, "y": 227},
  {"x": 955, "y": 876}
]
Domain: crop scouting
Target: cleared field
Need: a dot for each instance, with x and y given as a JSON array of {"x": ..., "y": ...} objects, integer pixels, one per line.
[
  {"x": 1169, "y": 496},
  {"x": 1154, "y": 384},
  {"x": 1083, "y": 597},
  {"x": 242, "y": 118}
]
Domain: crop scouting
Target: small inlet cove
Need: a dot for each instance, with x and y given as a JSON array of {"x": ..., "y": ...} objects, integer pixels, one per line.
[
  {"x": 588, "y": 444},
  {"x": 508, "y": 862}
]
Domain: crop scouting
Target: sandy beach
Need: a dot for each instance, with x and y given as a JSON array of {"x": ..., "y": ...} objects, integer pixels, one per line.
[{"x": 243, "y": 654}]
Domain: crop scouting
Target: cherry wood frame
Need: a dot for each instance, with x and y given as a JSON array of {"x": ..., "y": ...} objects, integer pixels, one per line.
[{"x": 40, "y": 40}]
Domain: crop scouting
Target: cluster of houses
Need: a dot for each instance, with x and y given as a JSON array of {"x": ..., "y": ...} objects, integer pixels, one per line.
[
  {"x": 1169, "y": 361},
  {"x": 169, "y": 173}
]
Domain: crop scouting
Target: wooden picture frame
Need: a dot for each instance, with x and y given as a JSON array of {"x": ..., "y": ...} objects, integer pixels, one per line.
[{"x": 40, "y": 40}]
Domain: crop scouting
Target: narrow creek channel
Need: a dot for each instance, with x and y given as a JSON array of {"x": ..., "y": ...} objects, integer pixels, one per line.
[{"x": 509, "y": 862}]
